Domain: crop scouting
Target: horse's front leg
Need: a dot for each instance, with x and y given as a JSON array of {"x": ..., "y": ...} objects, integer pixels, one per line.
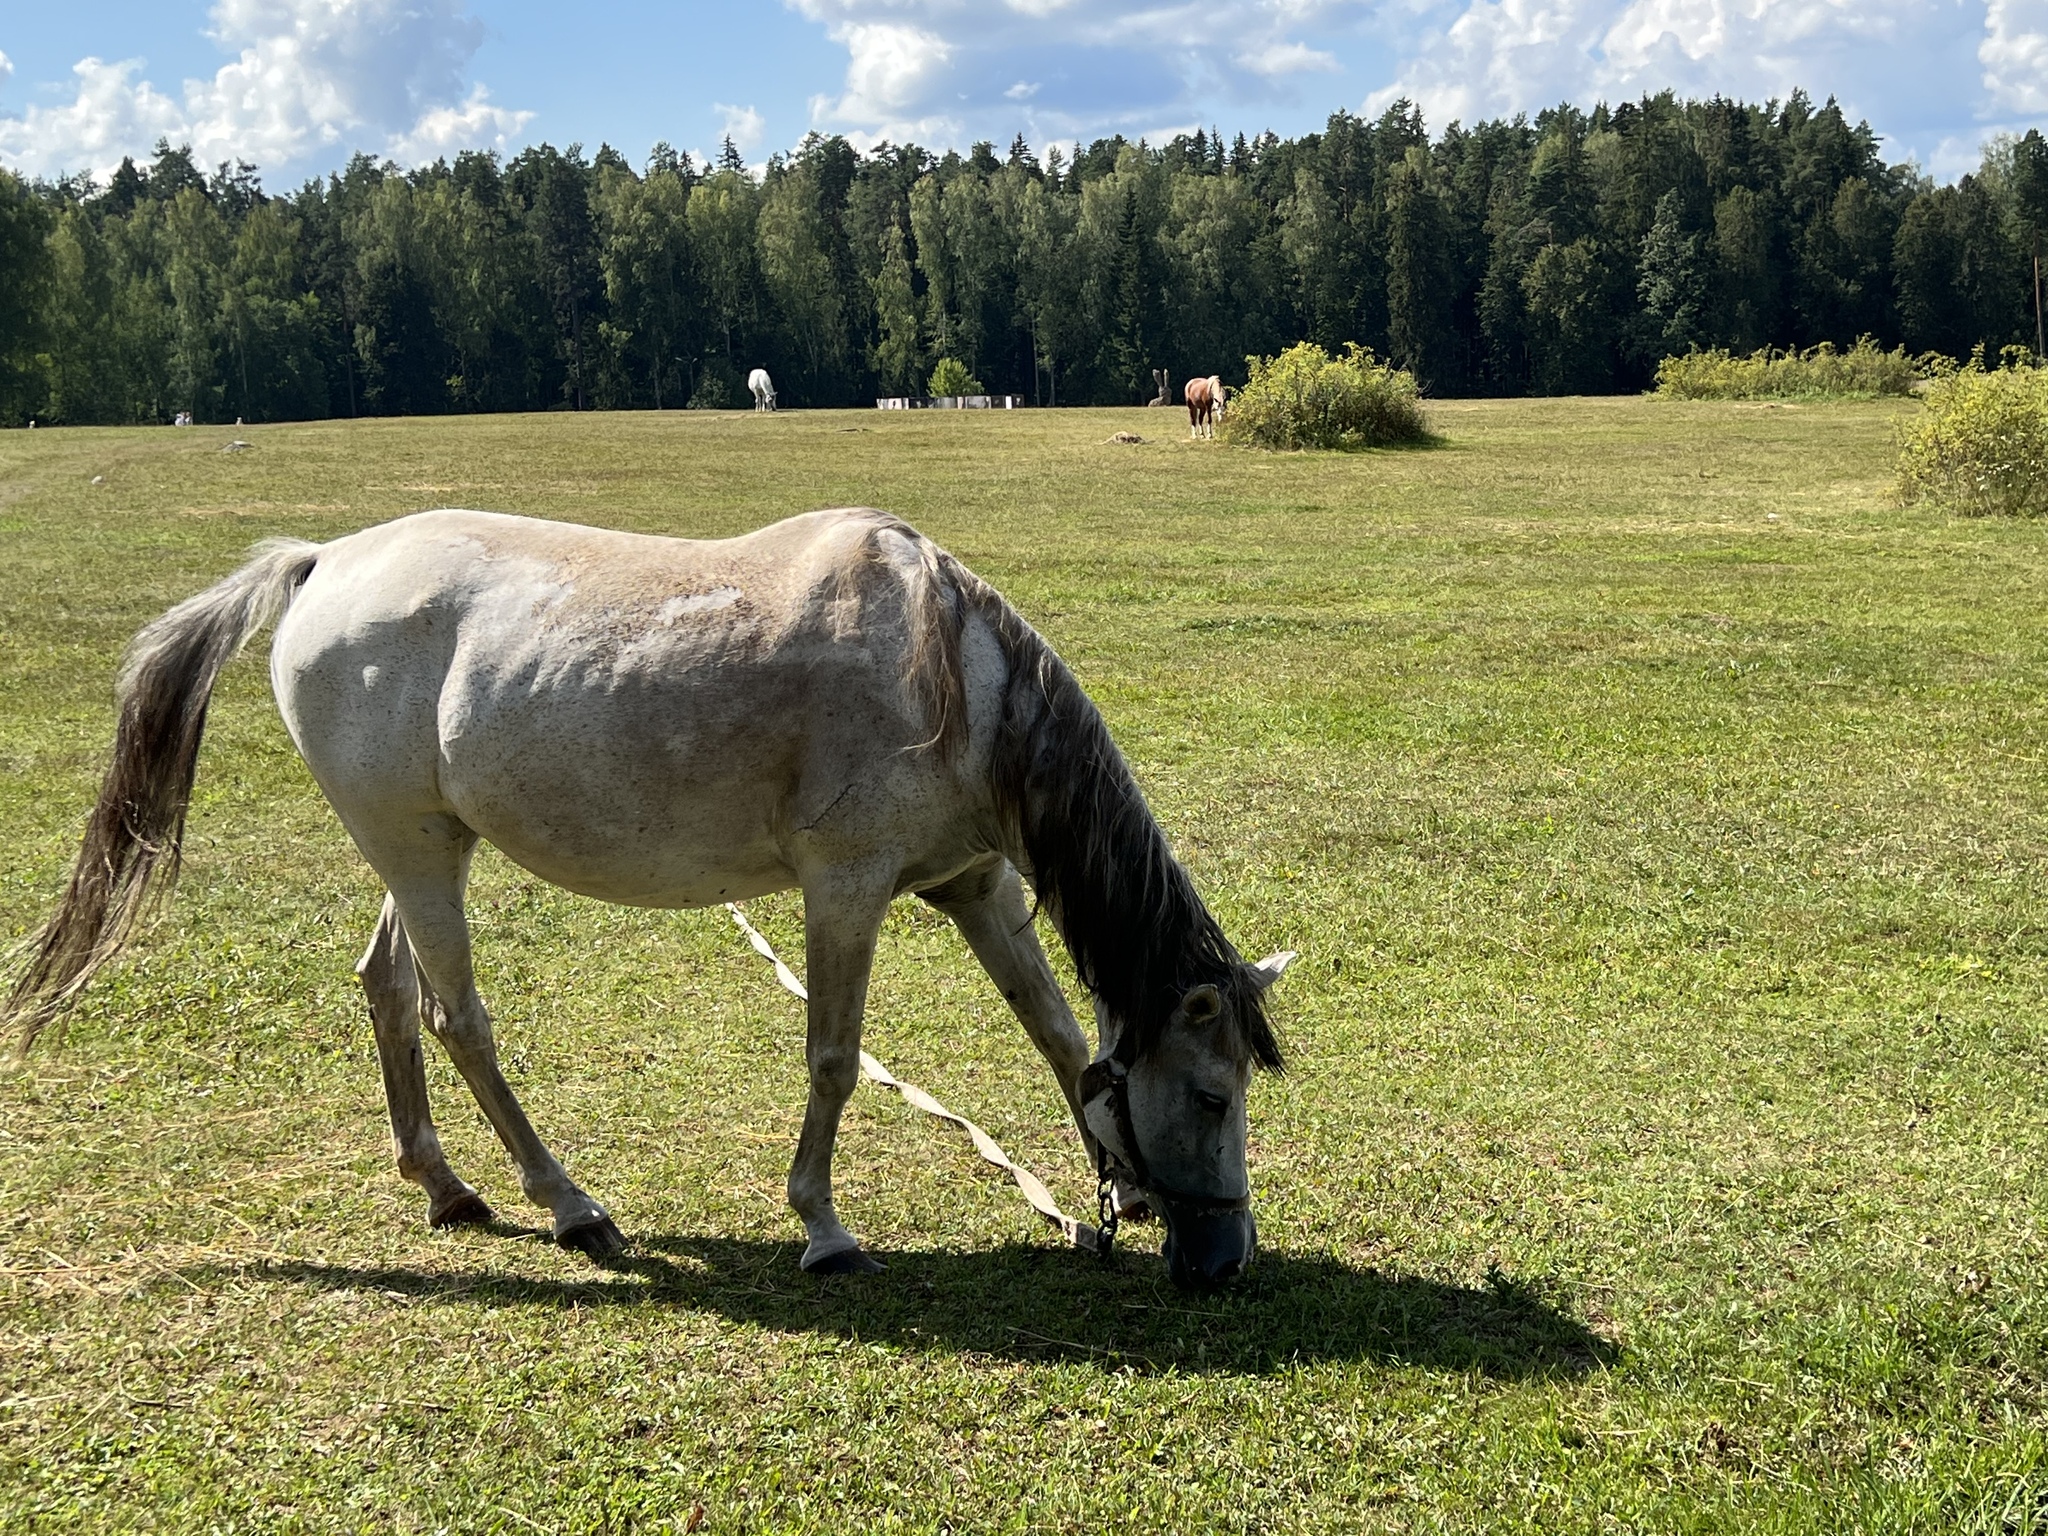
[
  {"x": 842, "y": 915},
  {"x": 988, "y": 905}
]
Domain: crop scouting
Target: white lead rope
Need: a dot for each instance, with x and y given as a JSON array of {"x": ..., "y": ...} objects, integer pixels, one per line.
[{"x": 1080, "y": 1234}]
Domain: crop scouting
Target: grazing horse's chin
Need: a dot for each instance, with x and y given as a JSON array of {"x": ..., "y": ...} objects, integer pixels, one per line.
[{"x": 1205, "y": 1249}]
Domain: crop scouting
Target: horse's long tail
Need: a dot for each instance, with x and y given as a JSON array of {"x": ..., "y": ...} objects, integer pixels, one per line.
[{"x": 129, "y": 857}]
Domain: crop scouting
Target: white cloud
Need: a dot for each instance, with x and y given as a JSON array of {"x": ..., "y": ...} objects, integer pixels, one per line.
[
  {"x": 473, "y": 124},
  {"x": 743, "y": 125},
  {"x": 944, "y": 71},
  {"x": 1925, "y": 72},
  {"x": 891, "y": 67},
  {"x": 110, "y": 115},
  {"x": 6, "y": 68},
  {"x": 1910, "y": 66},
  {"x": 2014, "y": 54},
  {"x": 309, "y": 79},
  {"x": 1287, "y": 59}
]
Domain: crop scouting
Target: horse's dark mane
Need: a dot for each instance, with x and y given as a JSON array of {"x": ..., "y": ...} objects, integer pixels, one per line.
[{"x": 1139, "y": 935}]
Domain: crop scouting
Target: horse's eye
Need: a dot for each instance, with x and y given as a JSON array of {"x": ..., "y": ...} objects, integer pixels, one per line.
[{"x": 1215, "y": 1103}]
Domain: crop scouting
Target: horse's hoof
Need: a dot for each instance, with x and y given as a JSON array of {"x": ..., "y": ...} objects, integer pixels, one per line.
[
  {"x": 465, "y": 1210},
  {"x": 599, "y": 1239},
  {"x": 847, "y": 1261}
]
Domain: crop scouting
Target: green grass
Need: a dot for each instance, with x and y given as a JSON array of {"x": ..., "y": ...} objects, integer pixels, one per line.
[{"x": 1658, "y": 810}]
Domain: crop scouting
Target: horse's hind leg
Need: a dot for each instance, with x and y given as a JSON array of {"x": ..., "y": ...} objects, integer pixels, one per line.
[
  {"x": 843, "y": 913},
  {"x": 426, "y": 882},
  {"x": 392, "y": 984}
]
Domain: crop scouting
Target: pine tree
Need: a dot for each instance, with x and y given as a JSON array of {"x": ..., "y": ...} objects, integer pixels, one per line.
[
  {"x": 1419, "y": 289},
  {"x": 1125, "y": 357},
  {"x": 125, "y": 189},
  {"x": 1748, "y": 276},
  {"x": 1673, "y": 286},
  {"x": 556, "y": 189}
]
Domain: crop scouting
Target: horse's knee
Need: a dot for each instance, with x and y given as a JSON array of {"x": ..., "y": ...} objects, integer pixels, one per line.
[
  {"x": 834, "y": 1072},
  {"x": 462, "y": 1029}
]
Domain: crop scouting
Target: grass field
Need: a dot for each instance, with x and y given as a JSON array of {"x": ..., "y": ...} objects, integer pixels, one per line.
[{"x": 1659, "y": 812}]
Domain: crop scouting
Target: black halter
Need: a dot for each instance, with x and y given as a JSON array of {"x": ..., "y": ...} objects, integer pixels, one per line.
[{"x": 1106, "y": 1107}]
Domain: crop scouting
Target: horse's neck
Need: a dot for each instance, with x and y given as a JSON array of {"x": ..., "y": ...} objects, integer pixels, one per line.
[{"x": 1098, "y": 860}]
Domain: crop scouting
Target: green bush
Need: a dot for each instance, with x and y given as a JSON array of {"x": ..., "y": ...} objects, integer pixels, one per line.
[
  {"x": 718, "y": 388},
  {"x": 1864, "y": 372},
  {"x": 952, "y": 378},
  {"x": 1981, "y": 446},
  {"x": 1305, "y": 398}
]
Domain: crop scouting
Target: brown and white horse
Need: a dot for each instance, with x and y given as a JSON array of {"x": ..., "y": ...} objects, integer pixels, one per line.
[
  {"x": 1205, "y": 405},
  {"x": 832, "y": 704}
]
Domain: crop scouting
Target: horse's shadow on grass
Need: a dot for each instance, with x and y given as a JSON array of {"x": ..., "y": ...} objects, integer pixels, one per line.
[{"x": 1024, "y": 1302}]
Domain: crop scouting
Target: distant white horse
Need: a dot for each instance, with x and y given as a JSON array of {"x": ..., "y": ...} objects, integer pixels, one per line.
[
  {"x": 763, "y": 388},
  {"x": 832, "y": 703}
]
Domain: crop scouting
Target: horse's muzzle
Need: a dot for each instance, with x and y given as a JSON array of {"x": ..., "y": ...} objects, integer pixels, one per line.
[{"x": 1208, "y": 1248}]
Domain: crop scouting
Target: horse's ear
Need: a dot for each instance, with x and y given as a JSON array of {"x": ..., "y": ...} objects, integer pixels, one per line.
[
  {"x": 1202, "y": 1004},
  {"x": 1268, "y": 970}
]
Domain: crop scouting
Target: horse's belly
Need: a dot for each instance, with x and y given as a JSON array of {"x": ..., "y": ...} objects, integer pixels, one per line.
[
  {"x": 651, "y": 883},
  {"x": 610, "y": 803},
  {"x": 640, "y": 861}
]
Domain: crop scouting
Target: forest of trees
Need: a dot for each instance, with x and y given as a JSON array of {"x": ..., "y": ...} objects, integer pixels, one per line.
[{"x": 1564, "y": 255}]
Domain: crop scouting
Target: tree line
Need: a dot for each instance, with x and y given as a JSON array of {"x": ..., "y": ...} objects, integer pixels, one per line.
[{"x": 1562, "y": 255}]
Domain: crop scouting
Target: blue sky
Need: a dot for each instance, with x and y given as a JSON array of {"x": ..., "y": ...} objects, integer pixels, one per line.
[{"x": 298, "y": 85}]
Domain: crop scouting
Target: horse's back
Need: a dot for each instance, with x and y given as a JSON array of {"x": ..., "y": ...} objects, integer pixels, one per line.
[{"x": 606, "y": 706}]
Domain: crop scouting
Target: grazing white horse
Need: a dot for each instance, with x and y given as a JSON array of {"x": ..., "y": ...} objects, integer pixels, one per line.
[
  {"x": 832, "y": 703},
  {"x": 763, "y": 389}
]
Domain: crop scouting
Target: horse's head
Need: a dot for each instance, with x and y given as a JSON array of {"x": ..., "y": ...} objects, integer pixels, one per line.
[{"x": 1170, "y": 1117}]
